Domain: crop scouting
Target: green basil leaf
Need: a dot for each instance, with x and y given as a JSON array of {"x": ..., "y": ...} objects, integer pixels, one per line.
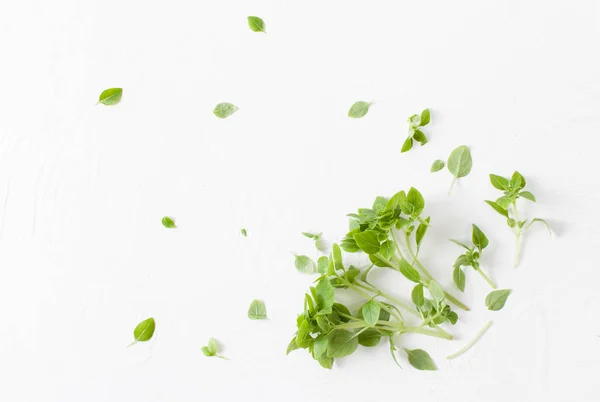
[
  {"x": 320, "y": 347},
  {"x": 408, "y": 271},
  {"x": 420, "y": 137},
  {"x": 387, "y": 249},
  {"x": 244, "y": 232},
  {"x": 304, "y": 264},
  {"x": 417, "y": 295},
  {"x": 168, "y": 222},
  {"x": 144, "y": 330},
  {"x": 341, "y": 343},
  {"x": 292, "y": 346},
  {"x": 257, "y": 310},
  {"x": 359, "y": 109},
  {"x": 326, "y": 362},
  {"x": 497, "y": 208},
  {"x": 437, "y": 165},
  {"x": 460, "y": 162},
  {"x": 479, "y": 238},
  {"x": 420, "y": 359},
  {"x": 421, "y": 230},
  {"x": 496, "y": 299},
  {"x": 527, "y": 195},
  {"x": 415, "y": 198},
  {"x": 207, "y": 352},
  {"x": 337, "y": 257},
  {"x": 452, "y": 317},
  {"x": 499, "y": 182},
  {"x": 223, "y": 110},
  {"x": 370, "y": 312},
  {"x": 256, "y": 24},
  {"x": 111, "y": 96},
  {"x": 367, "y": 241},
  {"x": 325, "y": 294},
  {"x": 322, "y": 264},
  {"x": 517, "y": 181},
  {"x": 458, "y": 276},
  {"x": 504, "y": 202},
  {"x": 425, "y": 117},
  {"x": 378, "y": 261},
  {"x": 369, "y": 338},
  {"x": 436, "y": 290},
  {"x": 407, "y": 146}
]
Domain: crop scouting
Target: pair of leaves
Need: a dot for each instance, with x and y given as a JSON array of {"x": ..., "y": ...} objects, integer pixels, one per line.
[
  {"x": 359, "y": 109},
  {"x": 470, "y": 258},
  {"x": 496, "y": 299},
  {"x": 212, "y": 349},
  {"x": 168, "y": 222},
  {"x": 415, "y": 123},
  {"x": 459, "y": 164},
  {"x": 256, "y": 24},
  {"x": 257, "y": 310},
  {"x": 223, "y": 110}
]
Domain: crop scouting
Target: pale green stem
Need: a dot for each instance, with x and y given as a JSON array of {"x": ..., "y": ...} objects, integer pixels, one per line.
[
  {"x": 441, "y": 334},
  {"x": 488, "y": 280},
  {"x": 390, "y": 298},
  {"x": 468, "y": 345},
  {"x": 452, "y": 185}
]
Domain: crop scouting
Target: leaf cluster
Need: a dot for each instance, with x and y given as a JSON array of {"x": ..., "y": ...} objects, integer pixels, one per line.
[
  {"x": 470, "y": 258},
  {"x": 415, "y": 123}
]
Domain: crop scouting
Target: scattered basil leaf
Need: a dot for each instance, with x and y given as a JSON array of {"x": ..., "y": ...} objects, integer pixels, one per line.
[
  {"x": 425, "y": 117},
  {"x": 407, "y": 146},
  {"x": 495, "y": 300},
  {"x": 223, "y": 110},
  {"x": 111, "y": 96},
  {"x": 244, "y": 232},
  {"x": 144, "y": 330},
  {"x": 305, "y": 265},
  {"x": 458, "y": 276},
  {"x": 168, "y": 222},
  {"x": 420, "y": 359},
  {"x": 257, "y": 310},
  {"x": 359, "y": 109},
  {"x": 256, "y": 24},
  {"x": 459, "y": 163},
  {"x": 437, "y": 165},
  {"x": 326, "y": 362},
  {"x": 325, "y": 294}
]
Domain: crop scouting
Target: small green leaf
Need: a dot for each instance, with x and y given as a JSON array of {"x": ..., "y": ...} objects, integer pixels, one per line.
[
  {"x": 369, "y": 338},
  {"x": 425, "y": 117},
  {"x": 407, "y": 146},
  {"x": 420, "y": 137},
  {"x": 359, "y": 109},
  {"x": 257, "y": 310},
  {"x": 326, "y": 362},
  {"x": 292, "y": 346},
  {"x": 437, "y": 165},
  {"x": 322, "y": 264},
  {"x": 497, "y": 208},
  {"x": 387, "y": 249},
  {"x": 207, "y": 352},
  {"x": 144, "y": 330},
  {"x": 212, "y": 345},
  {"x": 111, "y": 96},
  {"x": 527, "y": 195},
  {"x": 223, "y": 110},
  {"x": 510, "y": 222},
  {"x": 320, "y": 347},
  {"x": 416, "y": 200},
  {"x": 417, "y": 295},
  {"x": 168, "y": 222},
  {"x": 499, "y": 182},
  {"x": 436, "y": 290},
  {"x": 458, "y": 276},
  {"x": 462, "y": 260},
  {"x": 452, "y": 317},
  {"x": 504, "y": 202},
  {"x": 341, "y": 343},
  {"x": 517, "y": 181},
  {"x": 496, "y": 299},
  {"x": 421, "y": 230},
  {"x": 420, "y": 359},
  {"x": 337, "y": 257},
  {"x": 325, "y": 294},
  {"x": 479, "y": 238},
  {"x": 256, "y": 24},
  {"x": 367, "y": 241},
  {"x": 305, "y": 265},
  {"x": 460, "y": 162},
  {"x": 309, "y": 235},
  {"x": 370, "y": 312},
  {"x": 244, "y": 232},
  {"x": 378, "y": 261},
  {"x": 408, "y": 271}
]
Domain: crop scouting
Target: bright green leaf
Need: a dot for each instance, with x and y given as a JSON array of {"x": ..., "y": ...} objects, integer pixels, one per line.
[
  {"x": 244, "y": 232},
  {"x": 322, "y": 264},
  {"x": 367, "y": 241},
  {"x": 417, "y": 295},
  {"x": 408, "y": 271},
  {"x": 359, "y": 109},
  {"x": 495, "y": 300},
  {"x": 292, "y": 346},
  {"x": 420, "y": 359},
  {"x": 168, "y": 222},
  {"x": 223, "y": 110},
  {"x": 436, "y": 290},
  {"x": 341, "y": 343},
  {"x": 325, "y": 294},
  {"x": 257, "y": 310},
  {"x": 326, "y": 362},
  {"x": 479, "y": 238},
  {"x": 111, "y": 96},
  {"x": 320, "y": 347},
  {"x": 437, "y": 165},
  {"x": 407, "y": 146},
  {"x": 460, "y": 162},
  {"x": 256, "y": 24},
  {"x": 421, "y": 230},
  {"x": 527, "y": 195},
  {"x": 144, "y": 330},
  {"x": 304, "y": 264},
  {"x": 337, "y": 257},
  {"x": 420, "y": 137},
  {"x": 370, "y": 312},
  {"x": 497, "y": 208},
  {"x": 458, "y": 276},
  {"x": 504, "y": 202},
  {"x": 425, "y": 117}
]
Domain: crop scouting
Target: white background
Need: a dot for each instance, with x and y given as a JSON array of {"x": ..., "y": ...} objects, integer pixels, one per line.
[{"x": 84, "y": 258}]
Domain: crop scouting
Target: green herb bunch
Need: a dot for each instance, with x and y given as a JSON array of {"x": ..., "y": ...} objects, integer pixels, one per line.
[
  {"x": 471, "y": 259},
  {"x": 506, "y": 206},
  {"x": 415, "y": 123},
  {"x": 329, "y": 330}
]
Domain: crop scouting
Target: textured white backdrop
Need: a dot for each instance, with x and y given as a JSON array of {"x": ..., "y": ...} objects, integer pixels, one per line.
[{"x": 83, "y": 255}]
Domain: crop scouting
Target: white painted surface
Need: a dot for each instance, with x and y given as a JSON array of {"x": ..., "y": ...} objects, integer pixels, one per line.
[{"x": 83, "y": 256}]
